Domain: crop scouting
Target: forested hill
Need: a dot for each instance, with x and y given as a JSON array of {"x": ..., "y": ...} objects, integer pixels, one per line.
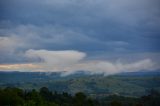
[{"x": 125, "y": 84}]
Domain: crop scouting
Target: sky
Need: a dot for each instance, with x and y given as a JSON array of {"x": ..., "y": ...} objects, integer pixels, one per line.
[{"x": 99, "y": 36}]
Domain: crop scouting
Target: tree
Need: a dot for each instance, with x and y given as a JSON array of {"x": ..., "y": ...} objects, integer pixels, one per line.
[
  {"x": 46, "y": 94},
  {"x": 116, "y": 103},
  {"x": 80, "y": 99},
  {"x": 10, "y": 96}
]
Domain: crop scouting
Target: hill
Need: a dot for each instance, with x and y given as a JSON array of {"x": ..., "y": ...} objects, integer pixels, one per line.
[{"x": 126, "y": 84}]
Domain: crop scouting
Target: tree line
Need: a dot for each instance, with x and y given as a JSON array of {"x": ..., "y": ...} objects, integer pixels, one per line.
[
  {"x": 18, "y": 97},
  {"x": 44, "y": 97}
]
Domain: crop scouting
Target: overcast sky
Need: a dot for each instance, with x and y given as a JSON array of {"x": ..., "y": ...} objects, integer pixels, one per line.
[{"x": 106, "y": 36}]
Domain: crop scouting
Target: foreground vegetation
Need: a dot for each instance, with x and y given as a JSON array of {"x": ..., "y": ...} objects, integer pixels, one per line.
[{"x": 18, "y": 97}]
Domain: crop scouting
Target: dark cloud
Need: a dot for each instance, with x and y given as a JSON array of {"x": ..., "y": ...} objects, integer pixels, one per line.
[{"x": 115, "y": 26}]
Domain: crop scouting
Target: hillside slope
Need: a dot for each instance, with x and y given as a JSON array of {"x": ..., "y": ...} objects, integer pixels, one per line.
[{"x": 129, "y": 84}]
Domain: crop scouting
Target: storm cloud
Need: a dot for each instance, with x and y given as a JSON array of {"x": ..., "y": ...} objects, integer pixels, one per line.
[{"x": 103, "y": 30}]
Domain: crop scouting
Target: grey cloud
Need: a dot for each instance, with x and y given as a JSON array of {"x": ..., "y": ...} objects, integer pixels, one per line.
[
  {"x": 54, "y": 37},
  {"x": 132, "y": 13},
  {"x": 71, "y": 61},
  {"x": 116, "y": 26}
]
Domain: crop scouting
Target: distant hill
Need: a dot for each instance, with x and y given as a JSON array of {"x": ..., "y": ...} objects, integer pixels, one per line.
[
  {"x": 141, "y": 73},
  {"x": 126, "y": 84}
]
